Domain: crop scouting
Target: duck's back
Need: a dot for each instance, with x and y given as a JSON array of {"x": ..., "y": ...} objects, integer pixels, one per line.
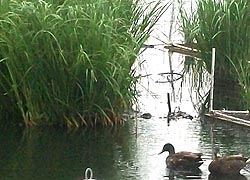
[
  {"x": 227, "y": 165},
  {"x": 184, "y": 160}
]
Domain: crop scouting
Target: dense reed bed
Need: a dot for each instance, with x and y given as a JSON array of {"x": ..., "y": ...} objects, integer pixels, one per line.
[
  {"x": 68, "y": 63},
  {"x": 224, "y": 25}
]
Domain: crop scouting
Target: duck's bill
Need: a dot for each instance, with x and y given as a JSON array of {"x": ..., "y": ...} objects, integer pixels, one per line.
[{"x": 160, "y": 152}]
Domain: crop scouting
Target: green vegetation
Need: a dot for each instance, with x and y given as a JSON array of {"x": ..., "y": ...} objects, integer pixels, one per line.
[
  {"x": 68, "y": 63},
  {"x": 225, "y": 26}
]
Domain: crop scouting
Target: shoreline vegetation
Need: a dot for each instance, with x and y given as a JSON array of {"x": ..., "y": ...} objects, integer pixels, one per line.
[
  {"x": 68, "y": 63},
  {"x": 224, "y": 25}
]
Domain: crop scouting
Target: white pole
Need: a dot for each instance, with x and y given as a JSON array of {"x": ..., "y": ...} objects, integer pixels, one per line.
[{"x": 212, "y": 80}]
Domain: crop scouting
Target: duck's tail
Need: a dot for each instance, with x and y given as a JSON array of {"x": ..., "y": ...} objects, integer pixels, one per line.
[
  {"x": 248, "y": 161},
  {"x": 247, "y": 167}
]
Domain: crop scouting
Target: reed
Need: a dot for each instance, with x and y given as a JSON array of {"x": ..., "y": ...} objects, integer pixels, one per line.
[
  {"x": 69, "y": 63},
  {"x": 224, "y": 25}
]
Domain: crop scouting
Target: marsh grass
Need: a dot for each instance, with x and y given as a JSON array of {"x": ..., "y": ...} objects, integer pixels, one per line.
[
  {"x": 225, "y": 26},
  {"x": 69, "y": 63}
]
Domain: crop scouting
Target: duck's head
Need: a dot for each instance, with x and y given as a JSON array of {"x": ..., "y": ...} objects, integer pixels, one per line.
[
  {"x": 216, "y": 153},
  {"x": 168, "y": 147}
]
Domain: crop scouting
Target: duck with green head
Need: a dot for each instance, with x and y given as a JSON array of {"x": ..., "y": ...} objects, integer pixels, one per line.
[{"x": 183, "y": 160}]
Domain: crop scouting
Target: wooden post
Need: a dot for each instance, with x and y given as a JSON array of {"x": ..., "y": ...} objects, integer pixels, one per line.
[
  {"x": 169, "y": 104},
  {"x": 169, "y": 108}
]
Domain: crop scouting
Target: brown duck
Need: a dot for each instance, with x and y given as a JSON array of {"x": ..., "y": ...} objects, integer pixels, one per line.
[
  {"x": 227, "y": 165},
  {"x": 181, "y": 160}
]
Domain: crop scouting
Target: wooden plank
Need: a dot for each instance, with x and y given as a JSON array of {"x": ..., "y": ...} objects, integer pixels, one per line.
[
  {"x": 228, "y": 118},
  {"x": 232, "y": 117},
  {"x": 183, "y": 49},
  {"x": 235, "y": 112}
]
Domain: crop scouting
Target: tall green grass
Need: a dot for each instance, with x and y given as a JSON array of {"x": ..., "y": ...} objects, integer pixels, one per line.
[
  {"x": 225, "y": 26},
  {"x": 69, "y": 62}
]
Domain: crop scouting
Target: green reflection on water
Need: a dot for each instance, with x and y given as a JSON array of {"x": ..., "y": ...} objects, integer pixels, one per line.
[
  {"x": 55, "y": 154},
  {"x": 115, "y": 153},
  {"x": 230, "y": 138}
]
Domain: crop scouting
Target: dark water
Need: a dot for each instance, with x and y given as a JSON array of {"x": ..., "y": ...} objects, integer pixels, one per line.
[{"x": 115, "y": 153}]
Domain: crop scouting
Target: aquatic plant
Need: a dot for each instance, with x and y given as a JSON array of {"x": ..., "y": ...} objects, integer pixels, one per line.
[
  {"x": 225, "y": 26},
  {"x": 69, "y": 63}
]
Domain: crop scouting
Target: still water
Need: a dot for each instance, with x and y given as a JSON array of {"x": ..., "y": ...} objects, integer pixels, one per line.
[{"x": 125, "y": 152}]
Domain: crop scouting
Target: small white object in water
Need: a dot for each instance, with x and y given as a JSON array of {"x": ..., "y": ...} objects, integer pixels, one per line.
[{"x": 88, "y": 174}]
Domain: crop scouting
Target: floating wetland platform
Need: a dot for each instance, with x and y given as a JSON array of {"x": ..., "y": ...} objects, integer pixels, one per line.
[{"x": 235, "y": 117}]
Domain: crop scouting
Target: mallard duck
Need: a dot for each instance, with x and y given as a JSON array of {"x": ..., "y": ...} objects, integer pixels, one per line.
[
  {"x": 181, "y": 160},
  {"x": 228, "y": 165}
]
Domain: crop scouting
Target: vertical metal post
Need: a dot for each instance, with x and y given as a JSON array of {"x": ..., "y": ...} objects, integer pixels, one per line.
[{"x": 212, "y": 80}]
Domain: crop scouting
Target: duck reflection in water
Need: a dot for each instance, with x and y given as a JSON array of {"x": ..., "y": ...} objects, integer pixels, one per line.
[
  {"x": 184, "y": 174},
  {"x": 227, "y": 177}
]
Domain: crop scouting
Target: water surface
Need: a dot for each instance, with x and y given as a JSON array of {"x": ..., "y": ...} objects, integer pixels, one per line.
[{"x": 115, "y": 153}]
